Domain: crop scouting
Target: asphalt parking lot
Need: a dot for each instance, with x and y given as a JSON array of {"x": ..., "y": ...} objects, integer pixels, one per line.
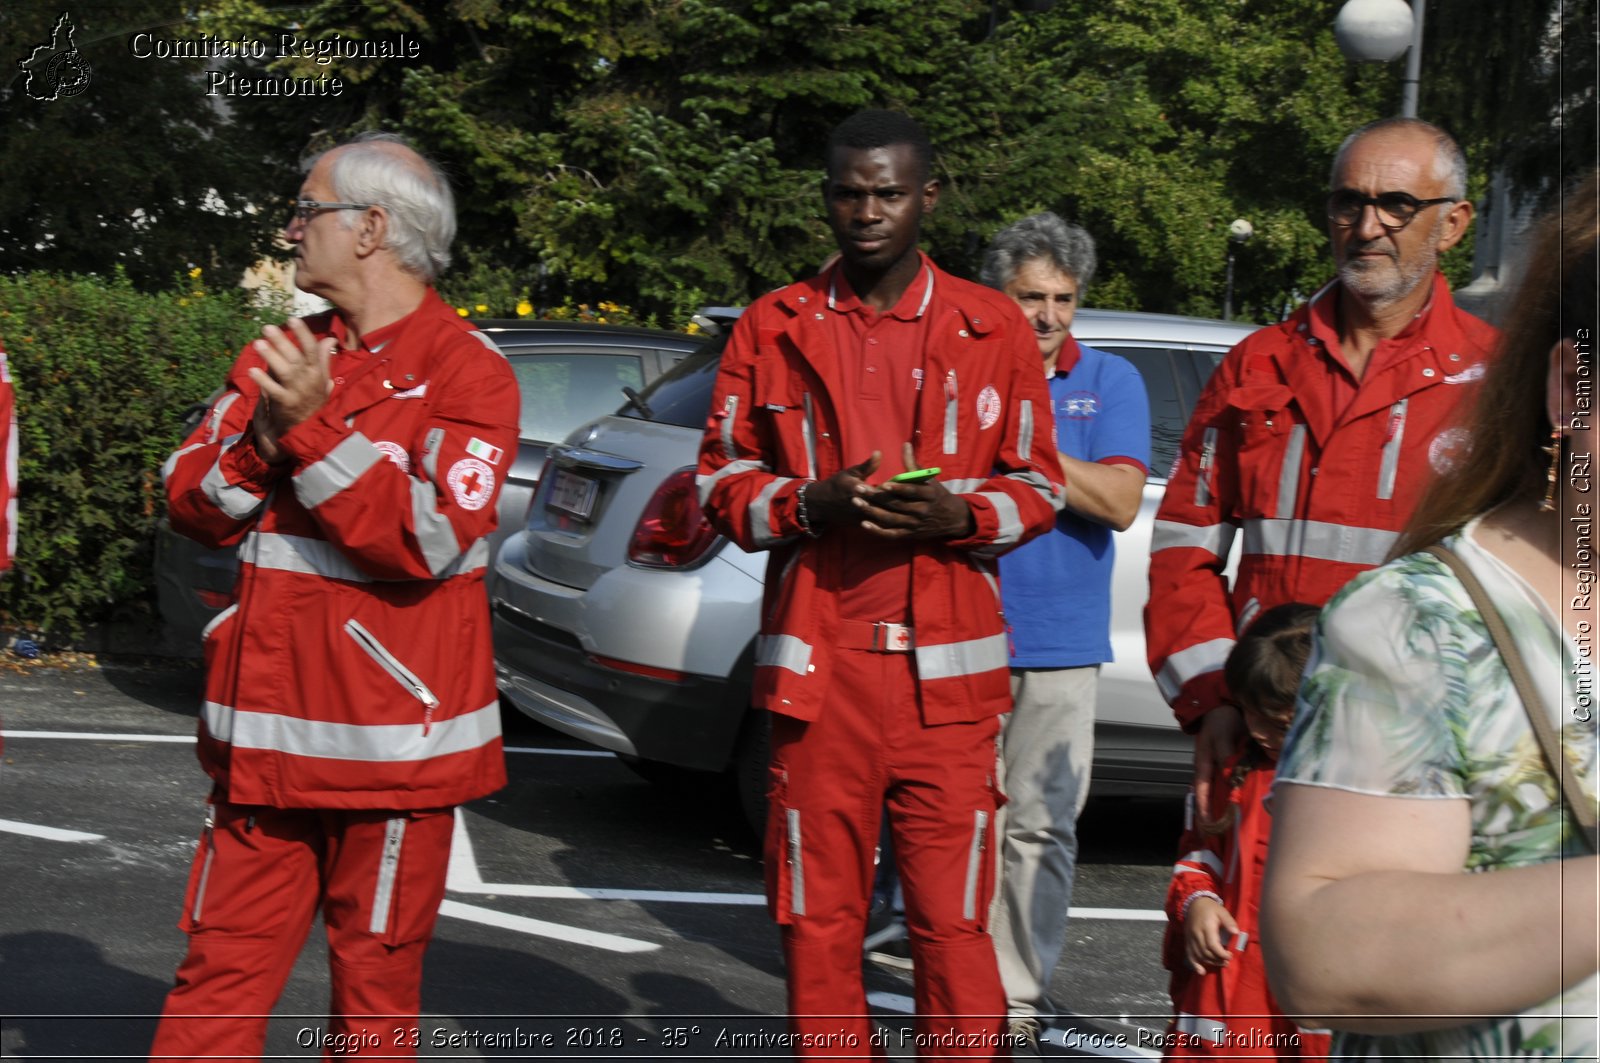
[{"x": 589, "y": 915}]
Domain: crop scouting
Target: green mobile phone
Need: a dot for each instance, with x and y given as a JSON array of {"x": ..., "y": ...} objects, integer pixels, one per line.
[{"x": 915, "y": 476}]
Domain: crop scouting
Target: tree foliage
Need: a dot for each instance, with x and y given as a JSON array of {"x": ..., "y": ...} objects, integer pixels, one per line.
[{"x": 139, "y": 171}]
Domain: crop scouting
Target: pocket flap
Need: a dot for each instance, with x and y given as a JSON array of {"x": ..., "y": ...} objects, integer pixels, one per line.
[{"x": 1260, "y": 396}]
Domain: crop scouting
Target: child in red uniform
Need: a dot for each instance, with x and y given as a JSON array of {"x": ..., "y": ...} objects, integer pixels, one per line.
[{"x": 1219, "y": 984}]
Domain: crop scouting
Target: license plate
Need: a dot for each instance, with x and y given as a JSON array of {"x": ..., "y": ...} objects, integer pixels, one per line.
[{"x": 572, "y": 494}]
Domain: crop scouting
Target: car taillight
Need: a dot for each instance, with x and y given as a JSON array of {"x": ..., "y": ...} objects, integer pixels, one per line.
[
  {"x": 213, "y": 599},
  {"x": 672, "y": 532},
  {"x": 544, "y": 474}
]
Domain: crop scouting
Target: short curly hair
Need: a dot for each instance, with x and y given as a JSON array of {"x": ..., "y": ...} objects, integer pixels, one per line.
[
  {"x": 881, "y": 129},
  {"x": 1039, "y": 236}
]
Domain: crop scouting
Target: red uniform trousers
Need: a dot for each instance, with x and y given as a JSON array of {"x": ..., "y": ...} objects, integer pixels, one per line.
[
  {"x": 831, "y": 780},
  {"x": 259, "y": 876}
]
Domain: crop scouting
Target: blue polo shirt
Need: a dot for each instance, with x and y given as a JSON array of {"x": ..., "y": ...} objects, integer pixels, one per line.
[{"x": 1057, "y": 588}]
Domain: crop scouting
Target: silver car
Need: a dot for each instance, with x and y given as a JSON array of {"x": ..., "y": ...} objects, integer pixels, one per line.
[
  {"x": 622, "y": 618},
  {"x": 567, "y": 373}
]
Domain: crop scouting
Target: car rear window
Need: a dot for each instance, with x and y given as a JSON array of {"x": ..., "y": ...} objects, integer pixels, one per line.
[
  {"x": 1172, "y": 380},
  {"x": 561, "y": 390},
  {"x": 682, "y": 395}
]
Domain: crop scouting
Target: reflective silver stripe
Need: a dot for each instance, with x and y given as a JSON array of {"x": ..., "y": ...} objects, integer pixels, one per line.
[
  {"x": 961, "y": 487},
  {"x": 394, "y": 835},
  {"x": 1005, "y": 510},
  {"x": 951, "y": 412},
  {"x": 314, "y": 557},
  {"x": 376, "y": 743},
  {"x": 797, "y": 866},
  {"x": 1212, "y": 1030},
  {"x": 430, "y": 453},
  {"x": 704, "y": 484},
  {"x": 166, "y": 466},
  {"x": 236, "y": 501},
  {"x": 1025, "y": 429},
  {"x": 1208, "y": 458},
  {"x": 783, "y": 651},
  {"x": 1204, "y": 857},
  {"x": 435, "y": 535},
  {"x": 1391, "y": 450},
  {"x": 730, "y": 407},
  {"x": 390, "y": 663},
  {"x": 1190, "y": 663},
  {"x": 808, "y": 430},
  {"x": 487, "y": 342},
  {"x": 336, "y": 470},
  {"x": 760, "y": 513},
  {"x": 973, "y": 657},
  {"x": 1289, "y": 475},
  {"x": 969, "y": 896},
  {"x": 1216, "y": 539},
  {"x": 1318, "y": 539}
]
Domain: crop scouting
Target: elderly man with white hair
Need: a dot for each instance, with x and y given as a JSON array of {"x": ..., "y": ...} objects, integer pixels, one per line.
[{"x": 353, "y": 459}]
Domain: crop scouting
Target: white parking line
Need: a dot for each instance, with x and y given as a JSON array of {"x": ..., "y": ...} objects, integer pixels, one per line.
[
  {"x": 540, "y": 928},
  {"x": 98, "y": 736},
  {"x": 54, "y": 834}
]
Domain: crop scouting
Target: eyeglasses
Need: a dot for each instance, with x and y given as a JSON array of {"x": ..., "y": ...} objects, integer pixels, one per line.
[
  {"x": 306, "y": 209},
  {"x": 1396, "y": 210}
]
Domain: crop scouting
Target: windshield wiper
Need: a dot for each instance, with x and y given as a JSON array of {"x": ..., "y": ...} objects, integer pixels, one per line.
[{"x": 638, "y": 403}]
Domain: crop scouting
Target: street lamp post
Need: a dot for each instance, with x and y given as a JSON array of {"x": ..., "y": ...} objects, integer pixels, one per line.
[
  {"x": 1239, "y": 230},
  {"x": 1377, "y": 31}
]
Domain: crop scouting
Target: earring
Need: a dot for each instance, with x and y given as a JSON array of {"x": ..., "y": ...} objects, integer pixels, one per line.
[{"x": 1548, "y": 503}]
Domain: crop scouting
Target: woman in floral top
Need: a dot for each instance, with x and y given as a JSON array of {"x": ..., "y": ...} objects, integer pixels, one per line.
[{"x": 1411, "y": 759}]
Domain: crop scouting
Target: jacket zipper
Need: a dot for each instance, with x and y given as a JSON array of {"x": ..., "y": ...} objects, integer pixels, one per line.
[
  {"x": 809, "y": 430},
  {"x": 399, "y": 672},
  {"x": 980, "y": 837},
  {"x": 951, "y": 410},
  {"x": 1208, "y": 457},
  {"x": 1392, "y": 439},
  {"x": 205, "y": 867}
]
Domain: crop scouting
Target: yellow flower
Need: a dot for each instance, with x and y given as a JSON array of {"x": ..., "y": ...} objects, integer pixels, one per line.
[
  {"x": 194, "y": 274},
  {"x": 610, "y": 308},
  {"x": 481, "y": 308},
  {"x": 692, "y": 328},
  {"x": 524, "y": 308},
  {"x": 461, "y": 311},
  {"x": 183, "y": 302}
]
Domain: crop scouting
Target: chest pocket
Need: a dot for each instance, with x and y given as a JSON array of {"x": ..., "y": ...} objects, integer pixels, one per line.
[
  {"x": 783, "y": 400},
  {"x": 1271, "y": 449}
]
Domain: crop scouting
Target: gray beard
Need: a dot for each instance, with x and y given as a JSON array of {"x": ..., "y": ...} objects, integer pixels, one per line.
[{"x": 1385, "y": 283}]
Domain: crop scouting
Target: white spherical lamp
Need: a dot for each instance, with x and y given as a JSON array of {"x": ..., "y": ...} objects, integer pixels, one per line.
[{"x": 1374, "y": 31}]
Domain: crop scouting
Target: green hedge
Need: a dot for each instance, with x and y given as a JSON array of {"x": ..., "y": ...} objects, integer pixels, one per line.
[{"x": 103, "y": 375}]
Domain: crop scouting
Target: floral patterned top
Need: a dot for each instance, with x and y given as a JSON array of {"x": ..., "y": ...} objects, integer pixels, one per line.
[{"x": 1405, "y": 696}]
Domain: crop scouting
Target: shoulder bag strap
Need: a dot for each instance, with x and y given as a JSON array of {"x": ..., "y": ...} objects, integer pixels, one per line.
[{"x": 1549, "y": 742}]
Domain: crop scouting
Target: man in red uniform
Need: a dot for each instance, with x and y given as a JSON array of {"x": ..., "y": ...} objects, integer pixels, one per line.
[
  {"x": 354, "y": 458},
  {"x": 1315, "y": 437},
  {"x": 882, "y": 653}
]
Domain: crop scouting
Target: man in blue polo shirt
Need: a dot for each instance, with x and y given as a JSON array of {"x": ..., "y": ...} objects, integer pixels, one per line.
[{"x": 1057, "y": 595}]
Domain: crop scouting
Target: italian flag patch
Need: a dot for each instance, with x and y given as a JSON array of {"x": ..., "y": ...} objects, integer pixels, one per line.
[{"x": 488, "y": 452}]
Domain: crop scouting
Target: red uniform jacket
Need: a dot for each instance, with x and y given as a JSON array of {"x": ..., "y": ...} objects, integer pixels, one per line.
[
  {"x": 355, "y": 668},
  {"x": 1228, "y": 1011},
  {"x": 983, "y": 417},
  {"x": 1321, "y": 494}
]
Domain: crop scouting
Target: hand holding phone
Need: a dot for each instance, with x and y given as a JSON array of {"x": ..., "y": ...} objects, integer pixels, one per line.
[{"x": 915, "y": 476}]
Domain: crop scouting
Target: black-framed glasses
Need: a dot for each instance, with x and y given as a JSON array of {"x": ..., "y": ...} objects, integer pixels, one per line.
[
  {"x": 306, "y": 209},
  {"x": 1396, "y": 210}
]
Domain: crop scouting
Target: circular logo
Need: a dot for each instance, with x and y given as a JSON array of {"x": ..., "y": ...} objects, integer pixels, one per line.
[
  {"x": 67, "y": 74},
  {"x": 988, "y": 407},
  {"x": 471, "y": 483},
  {"x": 1449, "y": 449},
  {"x": 395, "y": 453}
]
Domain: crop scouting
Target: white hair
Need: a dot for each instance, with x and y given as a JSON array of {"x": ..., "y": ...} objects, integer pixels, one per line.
[
  {"x": 1449, "y": 163},
  {"x": 410, "y": 187}
]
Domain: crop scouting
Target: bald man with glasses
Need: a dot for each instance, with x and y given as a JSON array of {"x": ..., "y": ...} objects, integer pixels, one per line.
[{"x": 1315, "y": 437}]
